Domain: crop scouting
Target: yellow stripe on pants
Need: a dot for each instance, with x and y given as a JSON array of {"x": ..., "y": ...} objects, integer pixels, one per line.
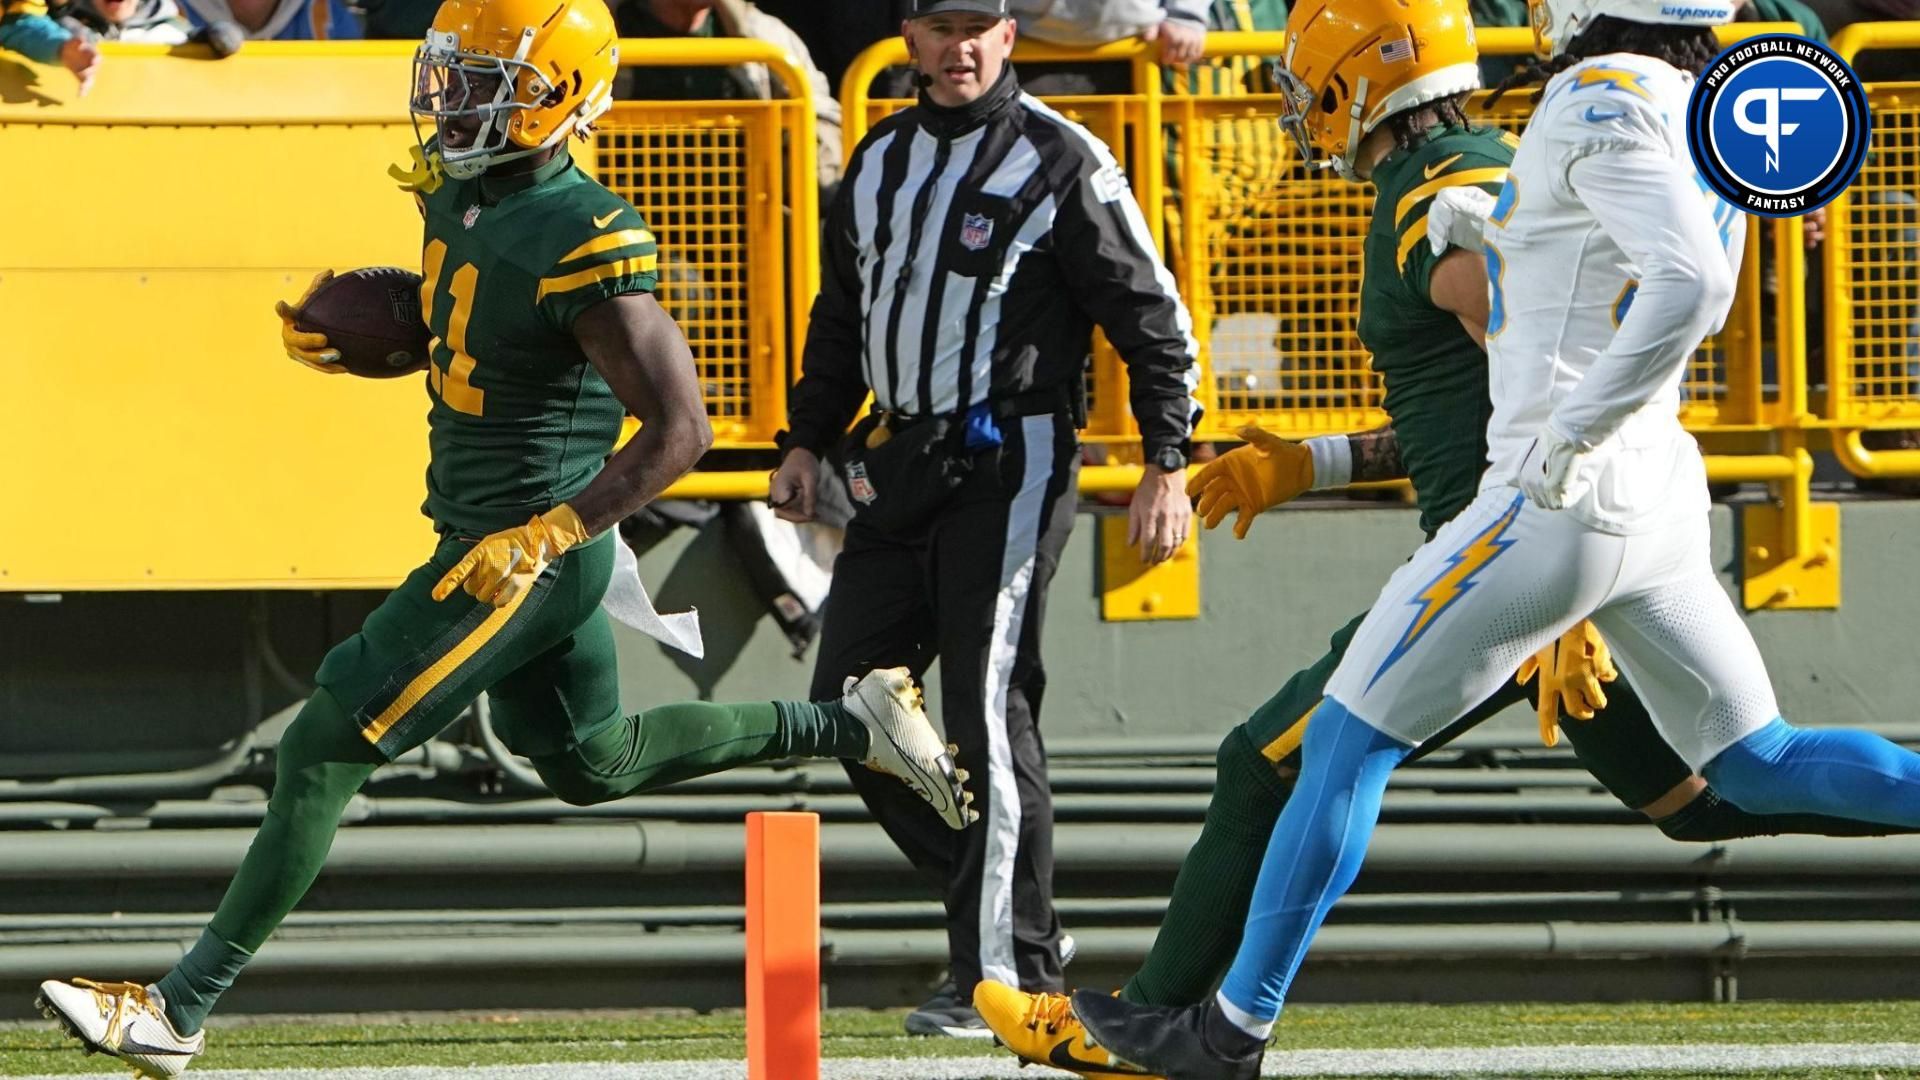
[
  {"x": 1289, "y": 740},
  {"x": 436, "y": 673}
]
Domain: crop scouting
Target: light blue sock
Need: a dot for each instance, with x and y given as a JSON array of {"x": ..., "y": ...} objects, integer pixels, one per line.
[
  {"x": 1314, "y": 855},
  {"x": 1844, "y": 772}
]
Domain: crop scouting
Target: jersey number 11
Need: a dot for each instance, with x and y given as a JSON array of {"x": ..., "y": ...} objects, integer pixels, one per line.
[{"x": 451, "y": 383}]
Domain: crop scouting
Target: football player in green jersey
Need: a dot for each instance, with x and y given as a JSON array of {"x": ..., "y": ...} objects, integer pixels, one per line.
[
  {"x": 537, "y": 290},
  {"x": 1423, "y": 316}
]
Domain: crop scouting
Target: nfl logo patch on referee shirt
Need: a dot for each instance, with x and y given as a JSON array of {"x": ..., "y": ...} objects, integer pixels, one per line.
[
  {"x": 975, "y": 231},
  {"x": 859, "y": 485}
]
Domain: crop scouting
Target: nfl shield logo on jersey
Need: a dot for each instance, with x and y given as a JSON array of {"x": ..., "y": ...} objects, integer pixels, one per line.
[
  {"x": 975, "y": 231},
  {"x": 472, "y": 215}
]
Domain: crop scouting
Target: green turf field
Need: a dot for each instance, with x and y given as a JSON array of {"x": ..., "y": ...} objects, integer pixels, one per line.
[{"x": 345, "y": 1048}]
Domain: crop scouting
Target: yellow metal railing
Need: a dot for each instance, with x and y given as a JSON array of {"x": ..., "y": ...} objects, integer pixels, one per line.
[
  {"x": 1268, "y": 256},
  {"x": 730, "y": 189},
  {"x": 272, "y": 172},
  {"x": 1872, "y": 266}
]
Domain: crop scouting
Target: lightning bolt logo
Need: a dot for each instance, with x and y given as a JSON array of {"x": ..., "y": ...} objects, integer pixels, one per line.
[
  {"x": 1618, "y": 78},
  {"x": 1452, "y": 583}
]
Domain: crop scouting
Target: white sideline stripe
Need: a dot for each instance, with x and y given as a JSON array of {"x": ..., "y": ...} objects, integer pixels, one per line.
[
  {"x": 1024, "y": 526},
  {"x": 1500, "y": 1061}
]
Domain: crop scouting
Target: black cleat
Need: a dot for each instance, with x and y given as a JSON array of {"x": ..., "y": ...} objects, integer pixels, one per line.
[
  {"x": 1192, "y": 1043},
  {"x": 947, "y": 1013}
]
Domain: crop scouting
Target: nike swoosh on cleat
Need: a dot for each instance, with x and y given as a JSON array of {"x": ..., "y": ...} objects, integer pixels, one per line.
[
  {"x": 1062, "y": 1056},
  {"x": 128, "y": 1046}
]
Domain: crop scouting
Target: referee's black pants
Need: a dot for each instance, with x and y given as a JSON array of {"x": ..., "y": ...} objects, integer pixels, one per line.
[{"x": 970, "y": 588}]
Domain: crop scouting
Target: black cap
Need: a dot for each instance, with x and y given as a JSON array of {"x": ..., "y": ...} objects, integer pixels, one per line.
[{"x": 995, "y": 8}]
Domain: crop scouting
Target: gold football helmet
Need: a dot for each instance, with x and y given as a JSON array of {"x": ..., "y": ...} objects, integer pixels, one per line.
[
  {"x": 501, "y": 79},
  {"x": 1352, "y": 63}
]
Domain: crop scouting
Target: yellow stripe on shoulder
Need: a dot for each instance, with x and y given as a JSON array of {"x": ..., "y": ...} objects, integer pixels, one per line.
[
  {"x": 612, "y": 240},
  {"x": 1486, "y": 175},
  {"x": 638, "y": 264}
]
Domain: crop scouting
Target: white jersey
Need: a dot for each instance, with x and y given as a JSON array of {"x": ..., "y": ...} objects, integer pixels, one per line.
[{"x": 1609, "y": 262}]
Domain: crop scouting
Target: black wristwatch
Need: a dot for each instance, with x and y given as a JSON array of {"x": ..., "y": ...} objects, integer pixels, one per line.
[{"x": 1170, "y": 458}]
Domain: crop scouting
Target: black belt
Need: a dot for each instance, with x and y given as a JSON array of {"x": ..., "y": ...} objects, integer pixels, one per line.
[{"x": 1069, "y": 398}]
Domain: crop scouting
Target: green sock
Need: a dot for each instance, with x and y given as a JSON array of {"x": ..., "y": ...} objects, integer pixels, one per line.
[
  {"x": 676, "y": 742},
  {"x": 1208, "y": 908},
  {"x": 322, "y": 761},
  {"x": 821, "y": 729},
  {"x": 198, "y": 980}
]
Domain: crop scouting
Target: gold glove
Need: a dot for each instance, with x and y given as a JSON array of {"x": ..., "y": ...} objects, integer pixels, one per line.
[
  {"x": 1571, "y": 670},
  {"x": 506, "y": 564},
  {"x": 1248, "y": 479},
  {"x": 309, "y": 348}
]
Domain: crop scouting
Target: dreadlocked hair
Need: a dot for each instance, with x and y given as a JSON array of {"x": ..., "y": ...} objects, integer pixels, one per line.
[
  {"x": 1411, "y": 127},
  {"x": 1688, "y": 48}
]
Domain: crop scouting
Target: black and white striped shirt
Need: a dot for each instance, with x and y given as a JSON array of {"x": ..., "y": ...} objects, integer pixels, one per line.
[{"x": 968, "y": 255}]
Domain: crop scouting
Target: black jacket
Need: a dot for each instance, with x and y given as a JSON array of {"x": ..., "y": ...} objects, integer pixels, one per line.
[{"x": 967, "y": 257}]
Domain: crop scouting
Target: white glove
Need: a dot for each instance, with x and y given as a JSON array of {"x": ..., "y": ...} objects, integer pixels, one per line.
[
  {"x": 1552, "y": 475},
  {"x": 1456, "y": 218}
]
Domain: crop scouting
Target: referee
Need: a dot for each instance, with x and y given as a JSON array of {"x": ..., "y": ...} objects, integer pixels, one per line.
[{"x": 976, "y": 240}]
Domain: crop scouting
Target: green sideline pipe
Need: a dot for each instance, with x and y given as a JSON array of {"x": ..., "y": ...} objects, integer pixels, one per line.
[
  {"x": 230, "y": 763},
  {"x": 667, "y": 848},
  {"x": 1080, "y": 913},
  {"x": 1138, "y": 764},
  {"x": 422, "y": 956},
  {"x": 384, "y": 811},
  {"x": 1124, "y": 766},
  {"x": 237, "y": 760},
  {"x": 1144, "y": 775}
]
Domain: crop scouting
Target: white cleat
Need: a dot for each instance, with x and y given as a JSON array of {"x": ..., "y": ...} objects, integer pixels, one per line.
[
  {"x": 122, "y": 1019},
  {"x": 905, "y": 745}
]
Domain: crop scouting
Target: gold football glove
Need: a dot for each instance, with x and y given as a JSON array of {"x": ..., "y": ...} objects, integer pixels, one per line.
[
  {"x": 309, "y": 348},
  {"x": 1248, "y": 479},
  {"x": 504, "y": 565},
  {"x": 1571, "y": 671}
]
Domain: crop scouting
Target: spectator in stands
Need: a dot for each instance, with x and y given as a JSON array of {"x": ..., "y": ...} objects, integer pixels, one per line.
[
  {"x": 1787, "y": 11},
  {"x": 1874, "y": 65},
  {"x": 731, "y": 19},
  {"x": 1179, "y": 26},
  {"x": 279, "y": 20},
  {"x": 406, "y": 20},
  {"x": 838, "y": 32},
  {"x": 157, "y": 22},
  {"x": 27, "y": 28}
]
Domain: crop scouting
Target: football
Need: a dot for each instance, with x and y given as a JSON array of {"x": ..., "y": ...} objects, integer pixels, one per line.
[{"x": 372, "y": 316}]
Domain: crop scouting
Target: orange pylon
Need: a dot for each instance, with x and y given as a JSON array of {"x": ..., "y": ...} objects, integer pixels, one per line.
[{"x": 783, "y": 946}]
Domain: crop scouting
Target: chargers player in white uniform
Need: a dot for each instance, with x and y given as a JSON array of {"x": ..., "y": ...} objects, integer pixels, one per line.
[{"x": 1609, "y": 263}]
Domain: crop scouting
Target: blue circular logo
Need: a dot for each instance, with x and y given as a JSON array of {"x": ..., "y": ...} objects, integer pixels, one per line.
[{"x": 1778, "y": 125}]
